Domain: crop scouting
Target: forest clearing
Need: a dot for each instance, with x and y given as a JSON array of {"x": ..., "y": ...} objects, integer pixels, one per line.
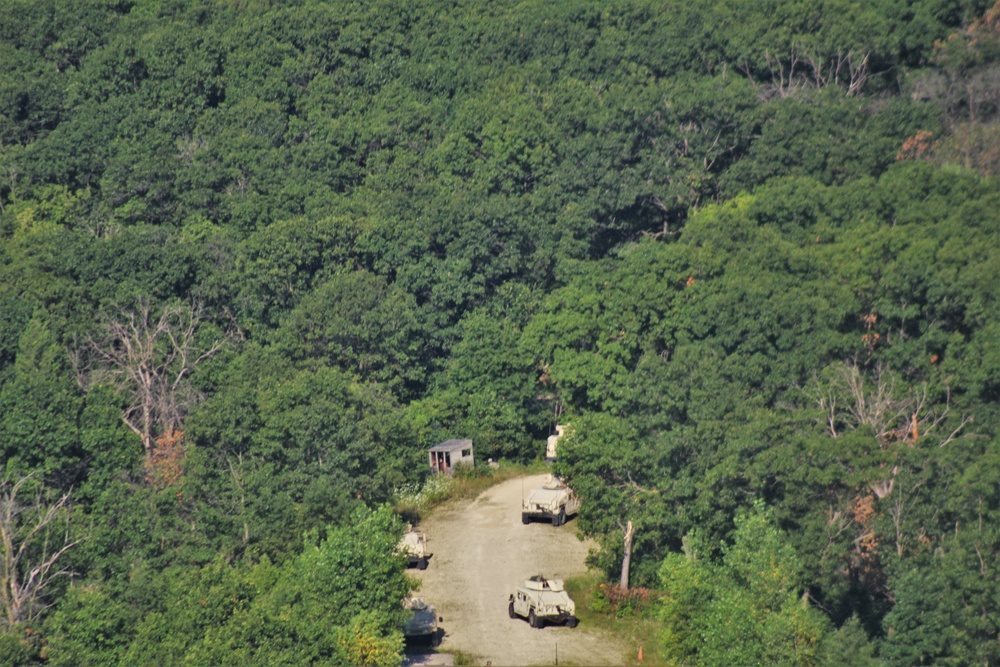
[{"x": 481, "y": 552}]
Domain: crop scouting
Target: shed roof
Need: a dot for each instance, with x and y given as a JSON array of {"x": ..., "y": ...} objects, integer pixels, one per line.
[{"x": 451, "y": 445}]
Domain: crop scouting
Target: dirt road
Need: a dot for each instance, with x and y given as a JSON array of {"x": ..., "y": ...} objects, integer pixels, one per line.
[{"x": 481, "y": 550}]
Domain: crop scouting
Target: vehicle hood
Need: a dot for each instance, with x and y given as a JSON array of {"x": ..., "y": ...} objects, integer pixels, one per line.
[{"x": 544, "y": 497}]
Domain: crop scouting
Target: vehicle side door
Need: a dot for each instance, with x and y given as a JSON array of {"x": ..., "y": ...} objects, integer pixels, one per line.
[{"x": 521, "y": 604}]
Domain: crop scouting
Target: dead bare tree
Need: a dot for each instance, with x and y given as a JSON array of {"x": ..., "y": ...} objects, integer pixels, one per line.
[
  {"x": 852, "y": 399},
  {"x": 874, "y": 403},
  {"x": 34, "y": 535},
  {"x": 148, "y": 359},
  {"x": 899, "y": 508},
  {"x": 805, "y": 68}
]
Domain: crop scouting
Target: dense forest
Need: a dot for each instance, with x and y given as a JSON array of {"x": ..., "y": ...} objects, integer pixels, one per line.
[{"x": 257, "y": 256}]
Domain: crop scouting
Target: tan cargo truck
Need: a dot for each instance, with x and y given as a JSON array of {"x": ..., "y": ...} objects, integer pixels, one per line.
[{"x": 542, "y": 601}]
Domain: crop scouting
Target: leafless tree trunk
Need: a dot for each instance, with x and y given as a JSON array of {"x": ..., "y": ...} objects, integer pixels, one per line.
[
  {"x": 238, "y": 483},
  {"x": 149, "y": 359},
  {"x": 33, "y": 536},
  {"x": 627, "y": 560},
  {"x": 898, "y": 510}
]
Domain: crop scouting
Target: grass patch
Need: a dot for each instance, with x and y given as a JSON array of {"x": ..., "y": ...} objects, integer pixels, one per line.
[
  {"x": 414, "y": 501},
  {"x": 462, "y": 659},
  {"x": 632, "y": 628}
]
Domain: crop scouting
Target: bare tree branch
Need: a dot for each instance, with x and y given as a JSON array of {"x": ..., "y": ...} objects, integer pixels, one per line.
[
  {"x": 966, "y": 419},
  {"x": 27, "y": 563},
  {"x": 852, "y": 398}
]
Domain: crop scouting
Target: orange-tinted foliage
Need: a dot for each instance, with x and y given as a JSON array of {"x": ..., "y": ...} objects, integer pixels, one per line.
[{"x": 166, "y": 466}]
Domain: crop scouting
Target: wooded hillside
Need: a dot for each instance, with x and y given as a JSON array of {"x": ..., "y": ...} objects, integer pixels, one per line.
[{"x": 256, "y": 257}]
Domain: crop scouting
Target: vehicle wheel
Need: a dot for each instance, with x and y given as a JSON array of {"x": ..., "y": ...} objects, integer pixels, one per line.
[
  {"x": 533, "y": 620},
  {"x": 525, "y": 519},
  {"x": 573, "y": 621},
  {"x": 422, "y": 563},
  {"x": 560, "y": 518},
  {"x": 510, "y": 610}
]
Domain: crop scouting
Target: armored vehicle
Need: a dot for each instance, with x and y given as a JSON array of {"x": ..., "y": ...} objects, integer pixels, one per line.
[
  {"x": 421, "y": 621},
  {"x": 542, "y": 601},
  {"x": 553, "y": 501},
  {"x": 414, "y": 547}
]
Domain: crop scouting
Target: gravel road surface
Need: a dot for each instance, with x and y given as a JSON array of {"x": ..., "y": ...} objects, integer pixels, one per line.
[{"x": 480, "y": 551}]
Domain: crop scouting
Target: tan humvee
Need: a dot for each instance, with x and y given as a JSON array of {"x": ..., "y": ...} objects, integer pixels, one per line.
[
  {"x": 414, "y": 547},
  {"x": 553, "y": 501},
  {"x": 421, "y": 621},
  {"x": 542, "y": 601}
]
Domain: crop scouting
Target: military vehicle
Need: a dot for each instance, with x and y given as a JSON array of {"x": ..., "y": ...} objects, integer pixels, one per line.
[
  {"x": 542, "y": 601},
  {"x": 421, "y": 621},
  {"x": 552, "y": 443},
  {"x": 553, "y": 501},
  {"x": 414, "y": 547}
]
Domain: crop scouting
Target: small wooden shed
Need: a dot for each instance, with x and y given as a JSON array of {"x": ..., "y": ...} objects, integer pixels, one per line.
[{"x": 445, "y": 456}]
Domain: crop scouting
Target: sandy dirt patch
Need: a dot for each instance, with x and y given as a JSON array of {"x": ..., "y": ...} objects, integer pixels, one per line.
[{"x": 481, "y": 550}]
